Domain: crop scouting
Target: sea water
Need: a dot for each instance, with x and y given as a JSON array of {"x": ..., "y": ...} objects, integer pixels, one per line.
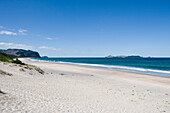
[{"x": 153, "y": 66}]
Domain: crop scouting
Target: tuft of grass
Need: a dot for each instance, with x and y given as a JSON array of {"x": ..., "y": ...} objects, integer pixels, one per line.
[
  {"x": 22, "y": 69},
  {"x": 61, "y": 74},
  {"x": 5, "y": 73},
  {"x": 2, "y": 92},
  {"x": 39, "y": 70},
  {"x": 31, "y": 67},
  {"x": 166, "y": 94}
]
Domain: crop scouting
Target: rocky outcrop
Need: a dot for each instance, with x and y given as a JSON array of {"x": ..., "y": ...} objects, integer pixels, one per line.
[{"x": 21, "y": 53}]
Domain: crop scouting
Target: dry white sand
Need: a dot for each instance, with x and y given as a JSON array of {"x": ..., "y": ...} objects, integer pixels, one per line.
[{"x": 75, "y": 89}]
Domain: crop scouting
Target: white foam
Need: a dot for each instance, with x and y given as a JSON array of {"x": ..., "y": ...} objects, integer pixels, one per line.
[
  {"x": 119, "y": 67},
  {"x": 111, "y": 67}
]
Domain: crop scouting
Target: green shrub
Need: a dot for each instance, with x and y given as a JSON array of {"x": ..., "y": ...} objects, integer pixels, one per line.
[
  {"x": 18, "y": 62},
  {"x": 5, "y": 57}
]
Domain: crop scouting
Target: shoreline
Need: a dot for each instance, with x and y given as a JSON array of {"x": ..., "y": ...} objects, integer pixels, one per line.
[
  {"x": 131, "y": 75},
  {"x": 139, "y": 70},
  {"x": 66, "y": 88}
]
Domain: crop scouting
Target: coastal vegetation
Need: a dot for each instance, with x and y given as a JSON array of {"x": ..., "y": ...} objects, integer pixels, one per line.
[
  {"x": 6, "y": 58},
  {"x": 14, "y": 59},
  {"x": 10, "y": 58},
  {"x": 5, "y": 73},
  {"x": 18, "y": 62},
  {"x": 31, "y": 67}
]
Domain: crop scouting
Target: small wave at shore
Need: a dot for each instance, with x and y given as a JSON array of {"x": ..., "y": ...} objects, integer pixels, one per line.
[{"x": 121, "y": 68}]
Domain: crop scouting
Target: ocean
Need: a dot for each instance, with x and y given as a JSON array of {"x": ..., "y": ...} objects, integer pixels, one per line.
[{"x": 152, "y": 66}]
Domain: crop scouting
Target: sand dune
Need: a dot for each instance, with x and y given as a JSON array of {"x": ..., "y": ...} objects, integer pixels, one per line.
[{"x": 76, "y": 89}]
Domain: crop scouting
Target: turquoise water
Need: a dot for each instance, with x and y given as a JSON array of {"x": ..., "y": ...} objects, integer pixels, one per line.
[{"x": 153, "y": 66}]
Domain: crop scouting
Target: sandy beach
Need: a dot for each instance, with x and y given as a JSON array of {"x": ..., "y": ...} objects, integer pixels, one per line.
[{"x": 77, "y": 89}]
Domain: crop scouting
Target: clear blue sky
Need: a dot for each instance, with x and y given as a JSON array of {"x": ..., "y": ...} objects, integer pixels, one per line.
[{"x": 86, "y": 27}]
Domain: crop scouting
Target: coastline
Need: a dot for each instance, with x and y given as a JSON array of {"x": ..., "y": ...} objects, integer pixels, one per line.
[
  {"x": 76, "y": 89},
  {"x": 111, "y": 72},
  {"x": 126, "y": 68}
]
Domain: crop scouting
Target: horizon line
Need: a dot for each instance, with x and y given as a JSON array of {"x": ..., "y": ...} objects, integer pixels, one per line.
[{"x": 99, "y": 56}]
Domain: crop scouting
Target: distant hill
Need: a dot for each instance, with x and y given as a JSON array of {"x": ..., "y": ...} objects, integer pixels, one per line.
[
  {"x": 21, "y": 53},
  {"x": 133, "y": 56},
  {"x": 44, "y": 57}
]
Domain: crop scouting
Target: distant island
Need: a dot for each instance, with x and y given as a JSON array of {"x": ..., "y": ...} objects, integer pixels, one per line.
[
  {"x": 44, "y": 57},
  {"x": 21, "y": 53},
  {"x": 132, "y": 56}
]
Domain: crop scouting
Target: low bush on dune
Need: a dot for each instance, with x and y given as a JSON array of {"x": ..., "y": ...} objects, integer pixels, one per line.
[{"x": 18, "y": 62}]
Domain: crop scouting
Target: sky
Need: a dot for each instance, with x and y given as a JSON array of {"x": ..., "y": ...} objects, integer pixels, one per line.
[{"x": 86, "y": 27}]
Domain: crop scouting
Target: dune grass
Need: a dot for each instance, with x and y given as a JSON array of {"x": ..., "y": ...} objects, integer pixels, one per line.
[
  {"x": 5, "y": 73},
  {"x": 12, "y": 59}
]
